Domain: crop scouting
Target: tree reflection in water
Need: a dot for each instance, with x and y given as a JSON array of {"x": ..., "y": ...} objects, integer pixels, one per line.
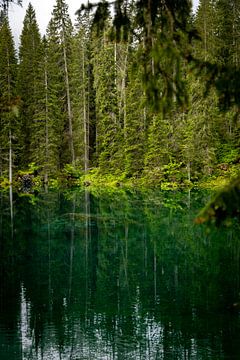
[{"x": 116, "y": 276}]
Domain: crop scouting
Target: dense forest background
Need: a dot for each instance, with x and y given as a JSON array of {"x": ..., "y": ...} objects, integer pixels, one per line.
[{"x": 126, "y": 101}]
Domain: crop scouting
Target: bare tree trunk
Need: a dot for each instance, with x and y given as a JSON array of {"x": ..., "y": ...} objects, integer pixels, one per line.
[
  {"x": 189, "y": 170},
  {"x": 155, "y": 271},
  {"x": 10, "y": 157},
  {"x": 235, "y": 37},
  {"x": 69, "y": 108},
  {"x": 123, "y": 74},
  {"x": 10, "y": 125},
  {"x": 72, "y": 247},
  {"x": 205, "y": 34},
  {"x": 11, "y": 208},
  {"x": 10, "y": 180},
  {"x": 85, "y": 119},
  {"x": 49, "y": 265},
  {"x": 46, "y": 128},
  {"x": 87, "y": 245}
]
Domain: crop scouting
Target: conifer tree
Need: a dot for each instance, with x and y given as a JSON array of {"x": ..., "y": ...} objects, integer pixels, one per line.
[
  {"x": 8, "y": 102},
  {"x": 81, "y": 90},
  {"x": 227, "y": 53},
  {"x": 204, "y": 22},
  {"x": 108, "y": 128},
  {"x": 136, "y": 122},
  {"x": 46, "y": 129},
  {"x": 60, "y": 44},
  {"x": 30, "y": 56},
  {"x": 227, "y": 26},
  {"x": 199, "y": 132}
]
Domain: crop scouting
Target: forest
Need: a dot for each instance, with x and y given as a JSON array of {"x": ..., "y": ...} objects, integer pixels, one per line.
[
  {"x": 125, "y": 95},
  {"x": 116, "y": 130}
]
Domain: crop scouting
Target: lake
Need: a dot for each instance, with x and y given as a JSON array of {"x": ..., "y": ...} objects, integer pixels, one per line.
[{"x": 116, "y": 275}]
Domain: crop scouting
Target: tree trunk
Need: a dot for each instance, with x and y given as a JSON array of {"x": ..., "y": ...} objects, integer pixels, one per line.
[
  {"x": 10, "y": 157},
  {"x": 46, "y": 127},
  {"x": 68, "y": 103},
  {"x": 85, "y": 119}
]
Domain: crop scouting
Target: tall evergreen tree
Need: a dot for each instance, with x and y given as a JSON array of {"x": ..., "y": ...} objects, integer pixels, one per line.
[
  {"x": 60, "y": 46},
  {"x": 82, "y": 84},
  {"x": 227, "y": 56},
  {"x": 8, "y": 101},
  {"x": 30, "y": 56},
  {"x": 227, "y": 27},
  {"x": 204, "y": 22},
  {"x": 108, "y": 128},
  {"x": 46, "y": 129},
  {"x": 136, "y": 121}
]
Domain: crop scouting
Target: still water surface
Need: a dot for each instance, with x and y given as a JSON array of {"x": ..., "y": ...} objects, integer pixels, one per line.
[{"x": 116, "y": 276}]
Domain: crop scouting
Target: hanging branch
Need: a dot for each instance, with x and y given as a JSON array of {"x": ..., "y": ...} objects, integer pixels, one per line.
[
  {"x": 165, "y": 31},
  {"x": 4, "y": 4}
]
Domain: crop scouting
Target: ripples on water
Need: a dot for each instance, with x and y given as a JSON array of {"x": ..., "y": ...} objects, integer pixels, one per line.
[{"x": 116, "y": 276}]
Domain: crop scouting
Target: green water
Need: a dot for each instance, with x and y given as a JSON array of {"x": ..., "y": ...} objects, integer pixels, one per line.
[{"x": 116, "y": 276}]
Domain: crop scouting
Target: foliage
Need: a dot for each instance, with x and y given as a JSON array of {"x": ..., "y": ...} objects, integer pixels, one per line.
[
  {"x": 4, "y": 183},
  {"x": 32, "y": 169},
  {"x": 225, "y": 205},
  {"x": 95, "y": 179},
  {"x": 123, "y": 97}
]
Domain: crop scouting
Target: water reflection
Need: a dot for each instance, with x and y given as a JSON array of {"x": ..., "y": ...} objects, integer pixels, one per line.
[{"x": 116, "y": 276}]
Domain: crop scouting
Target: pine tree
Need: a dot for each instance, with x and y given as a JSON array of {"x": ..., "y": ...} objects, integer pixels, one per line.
[
  {"x": 108, "y": 128},
  {"x": 30, "y": 56},
  {"x": 204, "y": 22},
  {"x": 46, "y": 137},
  {"x": 60, "y": 44},
  {"x": 135, "y": 123},
  {"x": 54, "y": 101},
  {"x": 8, "y": 102},
  {"x": 81, "y": 91},
  {"x": 199, "y": 132},
  {"x": 227, "y": 51},
  {"x": 227, "y": 27},
  {"x": 208, "y": 130}
]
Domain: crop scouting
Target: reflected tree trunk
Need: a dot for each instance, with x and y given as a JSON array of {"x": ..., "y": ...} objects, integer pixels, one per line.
[
  {"x": 155, "y": 271},
  {"x": 72, "y": 237},
  {"x": 145, "y": 253},
  {"x": 125, "y": 255},
  {"x": 1, "y": 215},
  {"x": 49, "y": 265},
  {"x": 87, "y": 243},
  {"x": 11, "y": 210}
]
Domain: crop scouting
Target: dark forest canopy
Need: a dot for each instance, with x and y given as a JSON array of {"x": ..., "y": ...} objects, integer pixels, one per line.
[
  {"x": 168, "y": 27},
  {"x": 163, "y": 27}
]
